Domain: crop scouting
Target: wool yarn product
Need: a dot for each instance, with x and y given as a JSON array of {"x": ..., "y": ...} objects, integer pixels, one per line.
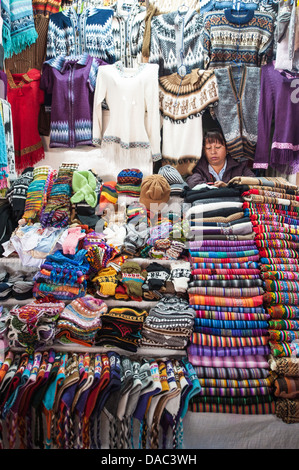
[
  {"x": 132, "y": 277},
  {"x": 35, "y": 193},
  {"x": 129, "y": 182},
  {"x": 108, "y": 195},
  {"x": 84, "y": 186},
  {"x": 80, "y": 320},
  {"x": 106, "y": 280},
  {"x": 57, "y": 211}
]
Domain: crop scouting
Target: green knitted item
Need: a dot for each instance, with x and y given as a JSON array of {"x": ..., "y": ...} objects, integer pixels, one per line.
[{"x": 84, "y": 185}]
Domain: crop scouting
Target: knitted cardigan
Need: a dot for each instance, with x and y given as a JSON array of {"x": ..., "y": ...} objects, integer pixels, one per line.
[
  {"x": 276, "y": 91},
  {"x": 172, "y": 32},
  {"x": 225, "y": 41},
  {"x": 73, "y": 34},
  {"x": 237, "y": 112}
]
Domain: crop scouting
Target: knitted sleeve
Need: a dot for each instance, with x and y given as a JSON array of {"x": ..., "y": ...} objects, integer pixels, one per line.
[
  {"x": 46, "y": 81},
  {"x": 265, "y": 114},
  {"x": 152, "y": 119},
  {"x": 206, "y": 42},
  {"x": 99, "y": 96}
]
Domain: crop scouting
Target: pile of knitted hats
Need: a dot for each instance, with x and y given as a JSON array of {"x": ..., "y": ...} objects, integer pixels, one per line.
[
  {"x": 129, "y": 182},
  {"x": 33, "y": 325},
  {"x": 62, "y": 276},
  {"x": 169, "y": 324},
  {"x": 121, "y": 327},
  {"x": 80, "y": 320}
]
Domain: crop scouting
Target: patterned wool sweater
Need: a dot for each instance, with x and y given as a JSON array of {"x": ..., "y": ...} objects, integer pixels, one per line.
[
  {"x": 182, "y": 103},
  {"x": 173, "y": 32},
  {"x": 229, "y": 39},
  {"x": 72, "y": 34},
  {"x": 132, "y": 136}
]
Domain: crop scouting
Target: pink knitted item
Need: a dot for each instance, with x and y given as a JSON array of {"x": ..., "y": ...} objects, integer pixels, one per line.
[{"x": 71, "y": 242}]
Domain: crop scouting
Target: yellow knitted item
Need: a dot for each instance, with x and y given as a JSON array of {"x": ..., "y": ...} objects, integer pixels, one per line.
[{"x": 107, "y": 280}]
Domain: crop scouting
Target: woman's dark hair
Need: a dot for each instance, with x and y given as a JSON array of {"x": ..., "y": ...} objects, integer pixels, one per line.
[{"x": 214, "y": 135}]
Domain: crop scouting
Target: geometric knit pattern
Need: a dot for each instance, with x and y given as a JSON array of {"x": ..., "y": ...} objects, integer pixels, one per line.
[{"x": 72, "y": 34}]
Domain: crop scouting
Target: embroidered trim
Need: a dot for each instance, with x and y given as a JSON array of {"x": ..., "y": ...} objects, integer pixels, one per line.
[{"x": 110, "y": 139}]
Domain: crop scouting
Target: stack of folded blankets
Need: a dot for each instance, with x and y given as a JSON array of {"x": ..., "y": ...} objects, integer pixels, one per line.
[
  {"x": 80, "y": 320},
  {"x": 286, "y": 386},
  {"x": 121, "y": 328},
  {"x": 169, "y": 324},
  {"x": 33, "y": 325},
  {"x": 229, "y": 344},
  {"x": 273, "y": 207},
  {"x": 64, "y": 277}
]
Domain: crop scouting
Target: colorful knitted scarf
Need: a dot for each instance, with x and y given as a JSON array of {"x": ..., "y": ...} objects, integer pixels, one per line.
[{"x": 18, "y": 26}]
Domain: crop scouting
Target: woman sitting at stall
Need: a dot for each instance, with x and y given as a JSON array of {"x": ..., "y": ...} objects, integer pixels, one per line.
[{"x": 216, "y": 166}]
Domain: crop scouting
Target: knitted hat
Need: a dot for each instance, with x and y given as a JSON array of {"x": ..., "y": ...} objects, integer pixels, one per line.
[
  {"x": 107, "y": 280},
  {"x": 174, "y": 178},
  {"x": 129, "y": 182},
  {"x": 108, "y": 195},
  {"x": 84, "y": 185},
  {"x": 132, "y": 278},
  {"x": 154, "y": 190}
]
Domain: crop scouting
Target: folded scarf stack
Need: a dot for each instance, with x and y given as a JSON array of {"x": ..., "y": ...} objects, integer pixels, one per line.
[
  {"x": 121, "y": 327},
  {"x": 80, "y": 320},
  {"x": 229, "y": 343},
  {"x": 286, "y": 387},
  {"x": 272, "y": 206},
  {"x": 62, "y": 276},
  {"x": 169, "y": 324},
  {"x": 33, "y": 325}
]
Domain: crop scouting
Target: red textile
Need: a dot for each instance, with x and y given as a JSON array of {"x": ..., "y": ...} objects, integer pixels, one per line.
[{"x": 25, "y": 98}]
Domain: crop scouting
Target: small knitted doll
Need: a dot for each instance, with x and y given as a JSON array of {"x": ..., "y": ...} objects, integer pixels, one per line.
[
  {"x": 69, "y": 245},
  {"x": 107, "y": 281},
  {"x": 132, "y": 277}
]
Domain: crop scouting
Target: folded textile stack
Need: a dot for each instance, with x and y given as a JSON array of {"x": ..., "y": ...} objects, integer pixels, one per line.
[
  {"x": 286, "y": 387},
  {"x": 37, "y": 192},
  {"x": 121, "y": 327},
  {"x": 33, "y": 325},
  {"x": 62, "y": 276},
  {"x": 229, "y": 343},
  {"x": 80, "y": 320},
  {"x": 169, "y": 324},
  {"x": 4, "y": 344},
  {"x": 273, "y": 207}
]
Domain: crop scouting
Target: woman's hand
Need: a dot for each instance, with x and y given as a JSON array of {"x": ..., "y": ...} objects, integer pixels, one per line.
[{"x": 220, "y": 184}]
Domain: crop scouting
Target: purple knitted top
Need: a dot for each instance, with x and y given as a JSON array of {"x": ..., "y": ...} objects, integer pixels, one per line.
[
  {"x": 71, "y": 81},
  {"x": 279, "y": 100}
]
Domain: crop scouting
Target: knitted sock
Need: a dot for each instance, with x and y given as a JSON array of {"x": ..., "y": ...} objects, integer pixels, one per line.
[{"x": 180, "y": 275}]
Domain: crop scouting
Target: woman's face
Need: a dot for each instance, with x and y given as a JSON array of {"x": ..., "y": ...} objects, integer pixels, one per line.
[{"x": 215, "y": 153}]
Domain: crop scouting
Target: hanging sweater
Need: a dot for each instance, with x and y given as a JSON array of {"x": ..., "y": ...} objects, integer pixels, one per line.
[
  {"x": 132, "y": 137},
  {"x": 229, "y": 39},
  {"x": 173, "y": 32},
  {"x": 71, "y": 81},
  {"x": 127, "y": 32},
  {"x": 182, "y": 102},
  {"x": 278, "y": 102},
  {"x": 237, "y": 112},
  {"x": 70, "y": 33}
]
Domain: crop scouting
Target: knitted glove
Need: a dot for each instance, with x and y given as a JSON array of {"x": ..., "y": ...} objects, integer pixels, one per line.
[
  {"x": 180, "y": 275},
  {"x": 156, "y": 276},
  {"x": 107, "y": 280},
  {"x": 134, "y": 240},
  {"x": 132, "y": 277}
]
